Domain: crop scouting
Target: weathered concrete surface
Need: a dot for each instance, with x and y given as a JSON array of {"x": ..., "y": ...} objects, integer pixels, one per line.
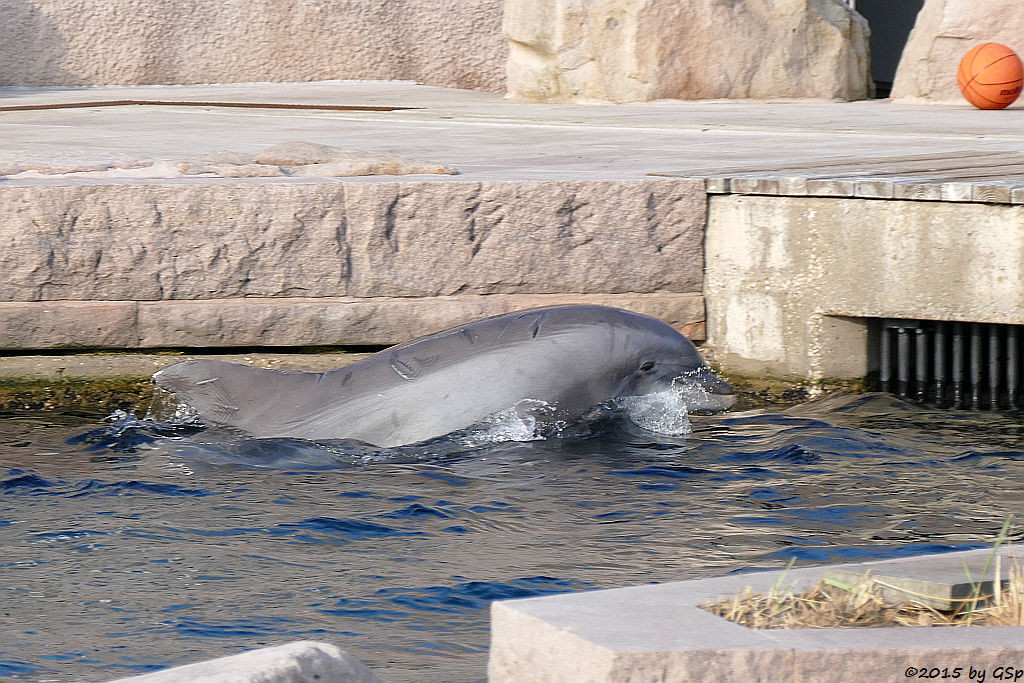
[
  {"x": 658, "y": 632},
  {"x": 484, "y": 136},
  {"x": 299, "y": 662},
  {"x": 785, "y": 274},
  {"x": 294, "y": 321},
  {"x": 284, "y": 160},
  {"x": 307, "y": 160},
  {"x": 634, "y": 50},
  {"x": 944, "y": 32},
  {"x": 454, "y": 43}
]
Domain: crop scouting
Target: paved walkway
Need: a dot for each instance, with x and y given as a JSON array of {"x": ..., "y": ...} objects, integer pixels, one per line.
[{"x": 482, "y": 135}]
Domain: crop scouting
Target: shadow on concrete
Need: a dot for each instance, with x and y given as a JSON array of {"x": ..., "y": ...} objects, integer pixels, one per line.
[{"x": 33, "y": 48}]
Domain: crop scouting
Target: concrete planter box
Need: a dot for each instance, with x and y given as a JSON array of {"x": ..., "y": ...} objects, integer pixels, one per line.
[{"x": 658, "y": 633}]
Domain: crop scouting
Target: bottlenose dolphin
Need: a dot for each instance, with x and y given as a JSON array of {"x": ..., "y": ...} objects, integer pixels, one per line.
[{"x": 571, "y": 358}]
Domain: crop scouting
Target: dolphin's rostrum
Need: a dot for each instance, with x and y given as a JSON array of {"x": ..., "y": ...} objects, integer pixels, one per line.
[{"x": 571, "y": 358}]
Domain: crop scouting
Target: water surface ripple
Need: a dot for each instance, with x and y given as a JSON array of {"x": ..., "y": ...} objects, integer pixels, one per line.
[{"x": 126, "y": 548}]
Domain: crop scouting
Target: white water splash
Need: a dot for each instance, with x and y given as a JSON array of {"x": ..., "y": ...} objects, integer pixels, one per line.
[
  {"x": 664, "y": 412},
  {"x": 167, "y": 407},
  {"x": 525, "y": 421}
]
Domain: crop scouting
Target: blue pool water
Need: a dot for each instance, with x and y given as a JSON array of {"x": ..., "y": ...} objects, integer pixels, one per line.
[{"x": 125, "y": 548}]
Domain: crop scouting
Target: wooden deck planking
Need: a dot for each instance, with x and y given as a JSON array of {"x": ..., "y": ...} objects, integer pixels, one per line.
[
  {"x": 851, "y": 163},
  {"x": 967, "y": 176}
]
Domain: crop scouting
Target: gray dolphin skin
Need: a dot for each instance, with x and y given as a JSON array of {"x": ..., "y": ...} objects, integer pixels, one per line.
[{"x": 571, "y": 357}]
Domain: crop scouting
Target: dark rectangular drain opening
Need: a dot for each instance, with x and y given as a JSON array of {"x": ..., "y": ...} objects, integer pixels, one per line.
[{"x": 950, "y": 364}]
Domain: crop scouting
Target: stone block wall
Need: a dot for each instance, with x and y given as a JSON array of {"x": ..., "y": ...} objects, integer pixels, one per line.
[
  {"x": 552, "y": 50},
  {"x": 452, "y": 43},
  {"x": 263, "y": 263},
  {"x": 634, "y": 50}
]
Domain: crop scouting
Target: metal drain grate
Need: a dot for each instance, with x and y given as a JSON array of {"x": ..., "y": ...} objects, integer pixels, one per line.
[{"x": 951, "y": 364}]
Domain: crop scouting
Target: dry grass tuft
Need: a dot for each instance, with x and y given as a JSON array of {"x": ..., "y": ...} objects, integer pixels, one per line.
[{"x": 832, "y": 604}]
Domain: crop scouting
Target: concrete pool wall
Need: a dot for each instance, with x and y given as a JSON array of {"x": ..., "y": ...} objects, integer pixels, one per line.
[
  {"x": 832, "y": 214},
  {"x": 789, "y": 280}
]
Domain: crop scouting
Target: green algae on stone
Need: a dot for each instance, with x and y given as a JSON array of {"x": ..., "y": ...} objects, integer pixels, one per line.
[
  {"x": 94, "y": 395},
  {"x": 762, "y": 391},
  {"x": 133, "y": 392}
]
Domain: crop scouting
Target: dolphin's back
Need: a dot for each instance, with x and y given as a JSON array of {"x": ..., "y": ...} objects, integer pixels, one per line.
[{"x": 565, "y": 356}]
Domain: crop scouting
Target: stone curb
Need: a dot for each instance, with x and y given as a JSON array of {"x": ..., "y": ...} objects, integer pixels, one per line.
[
  {"x": 303, "y": 661},
  {"x": 94, "y": 366},
  {"x": 294, "y": 321},
  {"x": 659, "y": 632}
]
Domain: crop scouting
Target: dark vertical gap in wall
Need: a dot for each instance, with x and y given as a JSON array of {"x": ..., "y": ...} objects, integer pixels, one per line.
[
  {"x": 966, "y": 365},
  {"x": 890, "y": 22}
]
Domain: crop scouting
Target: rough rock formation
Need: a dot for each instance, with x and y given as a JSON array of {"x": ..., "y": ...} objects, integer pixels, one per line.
[
  {"x": 452, "y": 43},
  {"x": 635, "y": 50},
  {"x": 944, "y": 32}
]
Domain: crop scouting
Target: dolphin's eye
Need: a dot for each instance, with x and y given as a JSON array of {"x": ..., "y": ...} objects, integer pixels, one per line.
[{"x": 647, "y": 366}]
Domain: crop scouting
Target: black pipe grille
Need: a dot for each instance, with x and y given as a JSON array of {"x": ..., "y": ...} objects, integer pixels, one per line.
[{"x": 951, "y": 364}]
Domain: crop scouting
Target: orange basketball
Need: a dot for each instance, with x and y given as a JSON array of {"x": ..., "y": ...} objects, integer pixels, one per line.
[{"x": 990, "y": 76}]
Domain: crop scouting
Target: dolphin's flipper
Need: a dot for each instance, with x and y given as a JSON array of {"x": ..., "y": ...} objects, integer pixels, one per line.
[{"x": 234, "y": 395}]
